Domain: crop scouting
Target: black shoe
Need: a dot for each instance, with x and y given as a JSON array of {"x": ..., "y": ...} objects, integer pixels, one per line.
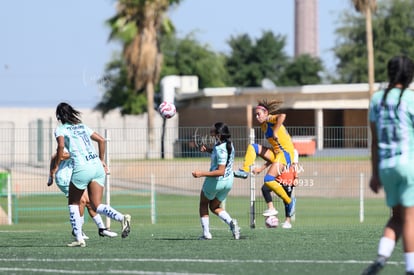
[
  {"x": 105, "y": 232},
  {"x": 375, "y": 267}
]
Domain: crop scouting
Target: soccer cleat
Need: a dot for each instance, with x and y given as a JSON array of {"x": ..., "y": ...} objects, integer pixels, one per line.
[
  {"x": 375, "y": 267},
  {"x": 270, "y": 212},
  {"x": 292, "y": 207},
  {"x": 83, "y": 235},
  {"x": 241, "y": 174},
  {"x": 77, "y": 244},
  {"x": 205, "y": 237},
  {"x": 126, "y": 226},
  {"x": 235, "y": 229},
  {"x": 287, "y": 225},
  {"x": 106, "y": 232}
]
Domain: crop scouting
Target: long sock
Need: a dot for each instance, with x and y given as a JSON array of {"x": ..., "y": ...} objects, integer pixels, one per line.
[
  {"x": 409, "y": 261},
  {"x": 249, "y": 158},
  {"x": 225, "y": 217},
  {"x": 75, "y": 221},
  {"x": 109, "y": 212},
  {"x": 98, "y": 221},
  {"x": 205, "y": 224},
  {"x": 278, "y": 189},
  {"x": 82, "y": 220},
  {"x": 385, "y": 247}
]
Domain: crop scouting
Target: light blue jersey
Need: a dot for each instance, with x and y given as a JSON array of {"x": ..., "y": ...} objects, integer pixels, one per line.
[
  {"x": 395, "y": 127},
  {"x": 395, "y": 134},
  {"x": 86, "y": 163},
  {"x": 219, "y": 187}
]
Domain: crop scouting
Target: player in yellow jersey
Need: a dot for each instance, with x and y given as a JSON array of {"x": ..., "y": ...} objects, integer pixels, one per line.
[{"x": 278, "y": 157}]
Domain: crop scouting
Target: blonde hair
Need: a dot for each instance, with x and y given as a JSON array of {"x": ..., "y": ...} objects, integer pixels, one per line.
[{"x": 271, "y": 106}]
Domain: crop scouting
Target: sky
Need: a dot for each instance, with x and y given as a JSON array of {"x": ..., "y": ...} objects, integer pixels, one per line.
[{"x": 53, "y": 51}]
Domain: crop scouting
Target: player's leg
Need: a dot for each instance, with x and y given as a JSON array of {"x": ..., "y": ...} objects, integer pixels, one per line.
[
  {"x": 408, "y": 238},
  {"x": 102, "y": 230},
  {"x": 288, "y": 217},
  {"x": 95, "y": 192},
  {"x": 392, "y": 233},
  {"x": 204, "y": 217},
  {"x": 253, "y": 150},
  {"x": 267, "y": 195},
  {"x": 223, "y": 188},
  {"x": 74, "y": 199}
]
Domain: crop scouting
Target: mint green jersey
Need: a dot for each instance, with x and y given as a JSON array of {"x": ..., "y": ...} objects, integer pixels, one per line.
[{"x": 394, "y": 127}]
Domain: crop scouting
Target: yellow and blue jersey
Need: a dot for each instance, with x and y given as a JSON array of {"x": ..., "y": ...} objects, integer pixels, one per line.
[{"x": 283, "y": 144}]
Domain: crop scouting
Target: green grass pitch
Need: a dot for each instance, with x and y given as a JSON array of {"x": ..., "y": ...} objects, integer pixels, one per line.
[{"x": 327, "y": 238}]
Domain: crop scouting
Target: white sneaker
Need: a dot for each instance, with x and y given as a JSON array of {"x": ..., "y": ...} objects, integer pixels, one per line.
[
  {"x": 287, "y": 225},
  {"x": 270, "y": 212},
  {"x": 77, "y": 243},
  {"x": 206, "y": 237},
  {"x": 105, "y": 232},
  {"x": 126, "y": 226},
  {"x": 235, "y": 229}
]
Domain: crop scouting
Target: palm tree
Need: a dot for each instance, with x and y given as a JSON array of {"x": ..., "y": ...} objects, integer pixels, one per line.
[
  {"x": 139, "y": 24},
  {"x": 366, "y": 7}
]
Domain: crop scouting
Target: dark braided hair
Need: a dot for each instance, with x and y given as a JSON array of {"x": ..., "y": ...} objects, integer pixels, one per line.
[
  {"x": 400, "y": 71},
  {"x": 223, "y": 132},
  {"x": 67, "y": 114}
]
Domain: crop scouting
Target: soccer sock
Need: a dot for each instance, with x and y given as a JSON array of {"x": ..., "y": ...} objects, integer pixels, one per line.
[
  {"x": 385, "y": 247},
  {"x": 225, "y": 217},
  {"x": 409, "y": 261},
  {"x": 75, "y": 221},
  {"x": 109, "y": 212},
  {"x": 82, "y": 220},
  {"x": 278, "y": 189},
  {"x": 249, "y": 158},
  {"x": 205, "y": 224},
  {"x": 98, "y": 221}
]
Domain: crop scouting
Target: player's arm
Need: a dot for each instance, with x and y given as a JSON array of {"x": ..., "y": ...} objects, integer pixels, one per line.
[
  {"x": 258, "y": 170},
  {"x": 101, "y": 148},
  {"x": 280, "y": 118},
  {"x": 59, "y": 155},
  {"x": 375, "y": 183},
  {"x": 215, "y": 173}
]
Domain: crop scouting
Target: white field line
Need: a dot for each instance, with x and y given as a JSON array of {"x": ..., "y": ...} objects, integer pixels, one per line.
[{"x": 198, "y": 261}]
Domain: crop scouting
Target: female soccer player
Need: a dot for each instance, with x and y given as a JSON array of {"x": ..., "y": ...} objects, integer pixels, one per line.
[
  {"x": 278, "y": 158},
  {"x": 62, "y": 179},
  {"x": 88, "y": 169},
  {"x": 218, "y": 181},
  {"x": 391, "y": 116}
]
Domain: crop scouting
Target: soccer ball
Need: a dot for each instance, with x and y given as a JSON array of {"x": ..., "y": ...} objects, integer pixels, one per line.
[
  {"x": 167, "y": 109},
  {"x": 272, "y": 222}
]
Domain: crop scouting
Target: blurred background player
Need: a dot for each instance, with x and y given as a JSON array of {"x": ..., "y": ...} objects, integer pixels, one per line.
[
  {"x": 288, "y": 179},
  {"x": 278, "y": 158},
  {"x": 391, "y": 116},
  {"x": 62, "y": 179},
  {"x": 218, "y": 181}
]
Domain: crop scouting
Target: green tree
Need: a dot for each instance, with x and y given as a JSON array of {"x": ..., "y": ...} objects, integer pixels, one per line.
[
  {"x": 188, "y": 57},
  {"x": 366, "y": 7},
  {"x": 303, "y": 70},
  {"x": 393, "y": 33},
  {"x": 249, "y": 62},
  {"x": 139, "y": 24}
]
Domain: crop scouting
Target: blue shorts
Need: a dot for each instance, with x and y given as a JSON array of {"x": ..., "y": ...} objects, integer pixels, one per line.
[
  {"x": 398, "y": 183},
  {"x": 84, "y": 174},
  {"x": 63, "y": 176},
  {"x": 214, "y": 188}
]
